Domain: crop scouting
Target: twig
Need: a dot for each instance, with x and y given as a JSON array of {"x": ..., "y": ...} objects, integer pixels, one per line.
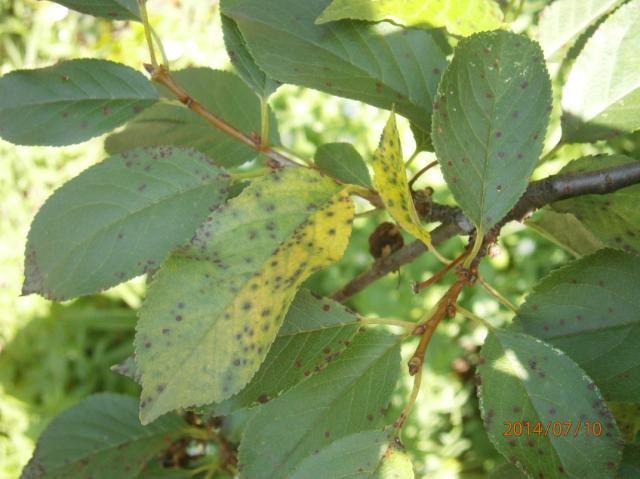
[
  {"x": 421, "y": 172},
  {"x": 538, "y": 194},
  {"x": 161, "y": 75},
  {"x": 147, "y": 32},
  {"x": 436, "y": 277},
  {"x": 402, "y": 419}
]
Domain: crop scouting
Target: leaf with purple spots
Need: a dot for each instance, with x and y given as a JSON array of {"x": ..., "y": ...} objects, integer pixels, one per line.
[
  {"x": 489, "y": 122},
  {"x": 349, "y": 396},
  {"x": 70, "y": 102},
  {"x": 119, "y": 219},
  {"x": 102, "y": 438},
  {"x": 524, "y": 380},
  {"x": 223, "y": 299},
  {"x": 591, "y": 310}
]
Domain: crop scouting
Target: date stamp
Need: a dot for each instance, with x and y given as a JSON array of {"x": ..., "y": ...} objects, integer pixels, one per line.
[{"x": 552, "y": 428}]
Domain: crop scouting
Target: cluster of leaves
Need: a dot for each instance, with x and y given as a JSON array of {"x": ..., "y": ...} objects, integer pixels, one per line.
[{"x": 226, "y": 326}]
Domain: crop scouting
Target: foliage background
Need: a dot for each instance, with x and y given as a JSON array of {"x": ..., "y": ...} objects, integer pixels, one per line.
[{"x": 53, "y": 355}]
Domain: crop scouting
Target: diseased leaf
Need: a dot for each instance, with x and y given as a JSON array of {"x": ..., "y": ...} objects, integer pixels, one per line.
[
  {"x": 348, "y": 396},
  {"x": 507, "y": 471},
  {"x": 70, "y": 102},
  {"x": 527, "y": 381},
  {"x": 119, "y": 219},
  {"x": 391, "y": 183},
  {"x": 563, "y": 21},
  {"x": 628, "y": 418},
  {"x": 364, "y": 455},
  {"x": 614, "y": 218},
  {"x": 489, "y": 122},
  {"x": 601, "y": 96},
  {"x": 379, "y": 64},
  {"x": 565, "y": 230},
  {"x": 222, "y": 93},
  {"x": 128, "y": 368},
  {"x": 243, "y": 62},
  {"x": 460, "y": 17},
  {"x": 214, "y": 309},
  {"x": 314, "y": 333},
  {"x": 591, "y": 310},
  {"x": 342, "y": 161},
  {"x": 102, "y": 438},
  {"x": 112, "y": 9}
]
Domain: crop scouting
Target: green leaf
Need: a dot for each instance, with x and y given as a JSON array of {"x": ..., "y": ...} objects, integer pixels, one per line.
[
  {"x": 70, "y": 102},
  {"x": 563, "y": 21},
  {"x": 601, "y": 97},
  {"x": 102, "y": 438},
  {"x": 214, "y": 309},
  {"x": 112, "y": 9},
  {"x": 507, "y": 471},
  {"x": 347, "y": 397},
  {"x": 243, "y": 62},
  {"x": 119, "y": 219},
  {"x": 591, "y": 310},
  {"x": 630, "y": 467},
  {"x": 460, "y": 17},
  {"x": 628, "y": 418},
  {"x": 565, "y": 230},
  {"x": 614, "y": 218},
  {"x": 379, "y": 64},
  {"x": 128, "y": 368},
  {"x": 526, "y": 380},
  {"x": 342, "y": 161},
  {"x": 220, "y": 92},
  {"x": 314, "y": 333},
  {"x": 489, "y": 122},
  {"x": 364, "y": 455}
]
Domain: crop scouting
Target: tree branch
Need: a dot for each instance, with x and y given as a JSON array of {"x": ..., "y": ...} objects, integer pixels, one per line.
[{"x": 454, "y": 222}]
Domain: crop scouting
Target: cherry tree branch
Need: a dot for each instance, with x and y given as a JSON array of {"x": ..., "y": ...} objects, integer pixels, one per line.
[{"x": 538, "y": 194}]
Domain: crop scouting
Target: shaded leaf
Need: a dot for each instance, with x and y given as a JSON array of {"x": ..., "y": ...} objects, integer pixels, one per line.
[
  {"x": 565, "y": 230},
  {"x": 563, "y": 21},
  {"x": 342, "y": 161},
  {"x": 119, "y": 219},
  {"x": 630, "y": 467},
  {"x": 391, "y": 182},
  {"x": 214, "y": 309},
  {"x": 102, "y": 438},
  {"x": 70, "y": 102},
  {"x": 112, "y": 9},
  {"x": 489, "y": 123},
  {"x": 222, "y": 93},
  {"x": 627, "y": 417},
  {"x": 524, "y": 379},
  {"x": 243, "y": 62},
  {"x": 379, "y": 64},
  {"x": 602, "y": 94},
  {"x": 364, "y": 455},
  {"x": 614, "y": 218},
  {"x": 591, "y": 310},
  {"x": 314, "y": 332},
  {"x": 348, "y": 396},
  {"x": 507, "y": 471},
  {"x": 460, "y": 17}
]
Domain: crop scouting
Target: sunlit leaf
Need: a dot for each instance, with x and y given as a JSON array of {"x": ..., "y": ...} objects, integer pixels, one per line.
[
  {"x": 222, "y": 93},
  {"x": 382, "y": 64},
  {"x": 591, "y": 310},
  {"x": 214, "y": 309},
  {"x": 100, "y": 438},
  {"x": 614, "y": 218},
  {"x": 460, "y": 17},
  {"x": 70, "y": 102},
  {"x": 563, "y": 21},
  {"x": 119, "y": 219},
  {"x": 527, "y": 381},
  {"x": 601, "y": 97},
  {"x": 489, "y": 123},
  {"x": 348, "y": 396},
  {"x": 390, "y": 180}
]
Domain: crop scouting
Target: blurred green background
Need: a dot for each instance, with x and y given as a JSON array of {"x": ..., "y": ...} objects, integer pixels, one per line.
[{"x": 53, "y": 355}]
